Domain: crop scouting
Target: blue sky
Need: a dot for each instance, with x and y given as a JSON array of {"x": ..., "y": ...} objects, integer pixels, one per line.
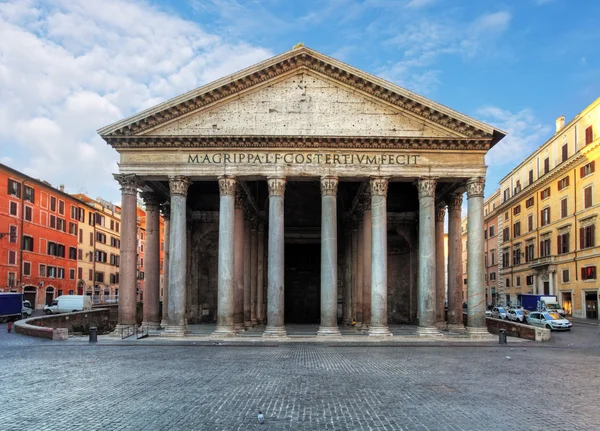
[{"x": 69, "y": 67}]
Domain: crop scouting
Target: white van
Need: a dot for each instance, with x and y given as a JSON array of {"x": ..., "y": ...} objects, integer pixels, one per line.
[{"x": 70, "y": 303}]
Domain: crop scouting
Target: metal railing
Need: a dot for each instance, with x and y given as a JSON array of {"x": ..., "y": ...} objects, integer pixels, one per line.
[{"x": 127, "y": 331}]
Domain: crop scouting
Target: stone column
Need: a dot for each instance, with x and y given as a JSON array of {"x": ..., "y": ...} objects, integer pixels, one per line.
[
  {"x": 247, "y": 280},
  {"x": 551, "y": 283},
  {"x": 329, "y": 261},
  {"x": 177, "y": 325},
  {"x": 360, "y": 266},
  {"x": 379, "y": 323},
  {"x": 455, "y": 268},
  {"x": 366, "y": 250},
  {"x": 253, "y": 269},
  {"x": 226, "y": 258},
  {"x": 354, "y": 266},
  {"x": 347, "y": 303},
  {"x": 427, "y": 263},
  {"x": 152, "y": 263},
  {"x": 128, "y": 251},
  {"x": 166, "y": 213},
  {"x": 440, "y": 265},
  {"x": 238, "y": 263},
  {"x": 260, "y": 274},
  {"x": 275, "y": 260},
  {"x": 476, "y": 324}
]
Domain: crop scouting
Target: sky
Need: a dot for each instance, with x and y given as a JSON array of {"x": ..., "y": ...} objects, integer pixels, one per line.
[{"x": 70, "y": 67}]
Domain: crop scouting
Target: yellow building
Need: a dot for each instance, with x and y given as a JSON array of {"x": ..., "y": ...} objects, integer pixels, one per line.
[{"x": 546, "y": 219}]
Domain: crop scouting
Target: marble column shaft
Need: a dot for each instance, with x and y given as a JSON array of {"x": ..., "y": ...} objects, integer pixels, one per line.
[
  {"x": 354, "y": 268},
  {"x": 178, "y": 257},
  {"x": 427, "y": 257},
  {"x": 128, "y": 250},
  {"x": 366, "y": 250},
  {"x": 455, "y": 294},
  {"x": 379, "y": 323},
  {"x": 329, "y": 261},
  {"x": 260, "y": 275},
  {"x": 360, "y": 266},
  {"x": 253, "y": 271},
  {"x": 347, "y": 302},
  {"x": 166, "y": 238},
  {"x": 151, "y": 303},
  {"x": 275, "y": 260},
  {"x": 247, "y": 259},
  {"x": 226, "y": 258},
  {"x": 238, "y": 313},
  {"x": 440, "y": 265},
  {"x": 476, "y": 324}
]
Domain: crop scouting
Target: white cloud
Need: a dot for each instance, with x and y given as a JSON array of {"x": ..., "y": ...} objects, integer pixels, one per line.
[
  {"x": 73, "y": 66},
  {"x": 417, "y": 4}
]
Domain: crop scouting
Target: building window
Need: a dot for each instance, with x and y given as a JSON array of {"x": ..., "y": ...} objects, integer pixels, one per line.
[
  {"x": 529, "y": 280},
  {"x": 28, "y": 213},
  {"x": 587, "y": 197},
  {"x": 117, "y": 229},
  {"x": 518, "y": 281},
  {"x": 505, "y": 234},
  {"x": 27, "y": 268},
  {"x": 588, "y": 273},
  {"x": 492, "y": 276},
  {"x": 517, "y": 256},
  {"x": 529, "y": 250},
  {"x": 42, "y": 271},
  {"x": 60, "y": 273},
  {"x": 506, "y": 196},
  {"x": 80, "y": 236},
  {"x": 545, "y": 247},
  {"x": 51, "y": 271},
  {"x": 545, "y": 216},
  {"x": 517, "y": 210},
  {"x": 100, "y": 237},
  {"x": 61, "y": 224},
  {"x": 80, "y": 273},
  {"x": 11, "y": 279},
  {"x": 12, "y": 234},
  {"x": 589, "y": 135},
  {"x": 505, "y": 258},
  {"x": 507, "y": 282},
  {"x": 91, "y": 238},
  {"x": 14, "y": 188},
  {"x": 493, "y": 257},
  {"x": 13, "y": 209},
  {"x": 52, "y": 221},
  {"x": 72, "y": 228},
  {"x": 100, "y": 277},
  {"x": 491, "y": 231},
  {"x": 80, "y": 255},
  {"x": 52, "y": 203},
  {"x": 81, "y": 215},
  {"x": 545, "y": 193},
  {"x": 565, "y": 152},
  {"x": 71, "y": 274},
  {"x": 72, "y": 253},
  {"x": 563, "y": 243},
  {"x": 546, "y": 165},
  {"x": 588, "y": 169},
  {"x": 587, "y": 236},
  {"x": 517, "y": 187},
  {"x": 27, "y": 243},
  {"x": 563, "y": 183},
  {"x": 564, "y": 208},
  {"x": 529, "y": 202},
  {"x": 517, "y": 229},
  {"x": 529, "y": 222},
  {"x": 531, "y": 176},
  {"x": 90, "y": 274},
  {"x": 12, "y": 257},
  {"x": 565, "y": 275},
  {"x": 61, "y": 207}
]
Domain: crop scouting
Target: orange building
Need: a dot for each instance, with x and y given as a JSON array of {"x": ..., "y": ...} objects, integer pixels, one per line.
[{"x": 38, "y": 241}]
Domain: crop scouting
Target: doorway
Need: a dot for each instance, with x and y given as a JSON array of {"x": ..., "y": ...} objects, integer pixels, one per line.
[
  {"x": 546, "y": 288},
  {"x": 591, "y": 305},
  {"x": 302, "y": 283},
  {"x": 567, "y": 303},
  {"x": 30, "y": 294},
  {"x": 49, "y": 295}
]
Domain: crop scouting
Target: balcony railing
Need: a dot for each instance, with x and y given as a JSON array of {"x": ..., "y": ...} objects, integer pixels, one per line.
[{"x": 541, "y": 261}]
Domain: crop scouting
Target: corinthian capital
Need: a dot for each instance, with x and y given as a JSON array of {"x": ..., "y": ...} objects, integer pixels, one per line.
[
  {"x": 426, "y": 187},
  {"x": 475, "y": 187},
  {"x": 239, "y": 200},
  {"x": 455, "y": 201},
  {"x": 276, "y": 186},
  {"x": 440, "y": 213},
  {"x": 227, "y": 186},
  {"x": 129, "y": 183},
  {"x": 179, "y": 185},
  {"x": 165, "y": 210},
  {"x": 379, "y": 186},
  {"x": 150, "y": 200},
  {"x": 329, "y": 186}
]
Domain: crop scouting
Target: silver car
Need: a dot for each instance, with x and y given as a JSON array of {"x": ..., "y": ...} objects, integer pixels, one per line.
[
  {"x": 499, "y": 313},
  {"x": 552, "y": 321},
  {"x": 516, "y": 315}
]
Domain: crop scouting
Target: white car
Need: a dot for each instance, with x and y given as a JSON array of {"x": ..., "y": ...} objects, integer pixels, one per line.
[
  {"x": 516, "y": 315},
  {"x": 27, "y": 309},
  {"x": 499, "y": 313},
  {"x": 51, "y": 308},
  {"x": 552, "y": 321}
]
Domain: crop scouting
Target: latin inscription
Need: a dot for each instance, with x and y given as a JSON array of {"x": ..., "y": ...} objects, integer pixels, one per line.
[{"x": 267, "y": 158}]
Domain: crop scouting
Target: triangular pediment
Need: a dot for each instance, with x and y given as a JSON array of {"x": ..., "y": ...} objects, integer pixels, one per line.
[{"x": 302, "y": 93}]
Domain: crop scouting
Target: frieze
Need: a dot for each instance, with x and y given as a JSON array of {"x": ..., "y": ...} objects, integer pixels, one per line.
[
  {"x": 129, "y": 183},
  {"x": 329, "y": 186},
  {"x": 426, "y": 187}
]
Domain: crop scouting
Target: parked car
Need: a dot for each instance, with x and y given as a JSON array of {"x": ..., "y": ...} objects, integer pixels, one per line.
[
  {"x": 51, "y": 308},
  {"x": 552, "y": 321},
  {"x": 516, "y": 315},
  {"x": 488, "y": 311},
  {"x": 72, "y": 303},
  {"x": 27, "y": 309},
  {"x": 499, "y": 313}
]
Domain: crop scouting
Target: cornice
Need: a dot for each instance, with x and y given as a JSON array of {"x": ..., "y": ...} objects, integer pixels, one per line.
[
  {"x": 273, "y": 141},
  {"x": 310, "y": 60}
]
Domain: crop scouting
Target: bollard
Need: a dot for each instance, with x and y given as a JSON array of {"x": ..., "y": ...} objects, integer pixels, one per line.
[
  {"x": 93, "y": 334},
  {"x": 502, "y": 336},
  {"x": 9, "y": 326}
]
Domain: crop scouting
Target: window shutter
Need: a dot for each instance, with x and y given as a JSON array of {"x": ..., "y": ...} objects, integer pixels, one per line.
[
  {"x": 593, "y": 235},
  {"x": 559, "y": 185},
  {"x": 559, "y": 244},
  {"x": 583, "y": 273},
  {"x": 541, "y": 248},
  {"x": 592, "y": 166},
  {"x": 589, "y": 136},
  {"x": 581, "y": 237},
  {"x": 567, "y": 182},
  {"x": 581, "y": 171}
]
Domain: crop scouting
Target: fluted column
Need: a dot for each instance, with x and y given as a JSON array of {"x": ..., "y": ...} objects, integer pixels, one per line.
[
  {"x": 440, "y": 265},
  {"x": 128, "y": 252},
  {"x": 260, "y": 274},
  {"x": 275, "y": 260},
  {"x": 455, "y": 298},
  {"x": 238, "y": 263},
  {"x": 253, "y": 269},
  {"x": 247, "y": 260},
  {"x": 366, "y": 250},
  {"x": 151, "y": 303},
  {"x": 226, "y": 258},
  {"x": 427, "y": 261},
  {"x": 354, "y": 267},
  {"x": 476, "y": 324},
  {"x": 177, "y": 325},
  {"x": 379, "y": 323},
  {"x": 329, "y": 262},
  {"x": 347, "y": 301},
  {"x": 166, "y": 213}
]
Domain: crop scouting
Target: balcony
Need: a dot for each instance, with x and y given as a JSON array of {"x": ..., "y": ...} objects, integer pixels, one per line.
[{"x": 541, "y": 262}]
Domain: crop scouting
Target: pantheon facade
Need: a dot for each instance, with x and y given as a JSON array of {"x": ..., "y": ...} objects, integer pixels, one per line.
[{"x": 303, "y": 191}]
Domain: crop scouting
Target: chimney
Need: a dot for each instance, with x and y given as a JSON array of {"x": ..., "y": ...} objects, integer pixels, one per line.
[
  {"x": 62, "y": 186},
  {"x": 560, "y": 122}
]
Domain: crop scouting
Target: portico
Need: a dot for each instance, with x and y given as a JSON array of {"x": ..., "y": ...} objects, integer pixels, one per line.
[{"x": 302, "y": 190}]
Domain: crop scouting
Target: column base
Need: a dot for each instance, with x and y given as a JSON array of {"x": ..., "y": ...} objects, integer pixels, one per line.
[
  {"x": 441, "y": 325},
  {"x": 247, "y": 324},
  {"x": 456, "y": 327},
  {"x": 117, "y": 332},
  {"x": 364, "y": 328},
  {"x": 274, "y": 332},
  {"x": 346, "y": 322},
  {"x": 224, "y": 331},
  {"x": 175, "y": 331},
  {"x": 357, "y": 325},
  {"x": 428, "y": 331},
  {"x": 253, "y": 323},
  {"x": 478, "y": 332},
  {"x": 151, "y": 325},
  {"x": 328, "y": 331},
  {"x": 379, "y": 331},
  {"x": 163, "y": 324},
  {"x": 239, "y": 326}
]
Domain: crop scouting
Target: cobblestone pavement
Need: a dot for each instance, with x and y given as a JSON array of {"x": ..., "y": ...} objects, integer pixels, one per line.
[{"x": 71, "y": 386}]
